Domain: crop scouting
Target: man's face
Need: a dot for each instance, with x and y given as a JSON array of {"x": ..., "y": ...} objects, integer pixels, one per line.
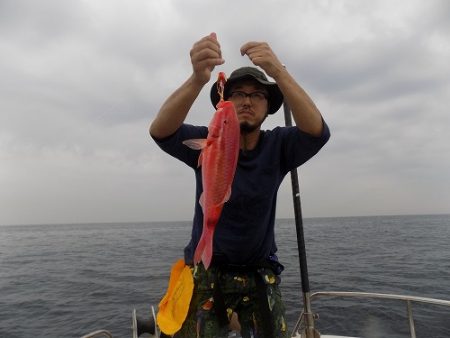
[{"x": 250, "y": 101}]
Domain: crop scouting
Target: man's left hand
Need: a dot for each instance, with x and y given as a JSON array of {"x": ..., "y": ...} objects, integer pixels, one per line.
[{"x": 262, "y": 55}]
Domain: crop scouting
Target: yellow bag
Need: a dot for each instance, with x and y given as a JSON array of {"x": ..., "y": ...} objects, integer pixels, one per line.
[{"x": 174, "y": 306}]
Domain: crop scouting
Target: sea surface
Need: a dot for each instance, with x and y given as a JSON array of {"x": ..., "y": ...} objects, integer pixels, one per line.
[{"x": 70, "y": 279}]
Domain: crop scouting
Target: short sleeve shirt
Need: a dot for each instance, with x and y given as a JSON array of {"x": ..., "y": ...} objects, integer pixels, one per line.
[{"x": 245, "y": 231}]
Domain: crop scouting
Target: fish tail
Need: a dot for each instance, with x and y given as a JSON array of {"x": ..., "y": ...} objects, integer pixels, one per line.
[
  {"x": 199, "y": 250},
  {"x": 204, "y": 250},
  {"x": 208, "y": 250}
]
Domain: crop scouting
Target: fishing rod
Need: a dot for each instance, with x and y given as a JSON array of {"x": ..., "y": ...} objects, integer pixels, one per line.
[{"x": 310, "y": 331}]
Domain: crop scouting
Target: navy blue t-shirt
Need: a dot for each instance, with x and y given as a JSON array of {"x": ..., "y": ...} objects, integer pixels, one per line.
[{"x": 245, "y": 231}]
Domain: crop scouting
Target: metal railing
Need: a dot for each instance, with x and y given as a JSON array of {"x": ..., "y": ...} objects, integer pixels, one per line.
[{"x": 408, "y": 299}]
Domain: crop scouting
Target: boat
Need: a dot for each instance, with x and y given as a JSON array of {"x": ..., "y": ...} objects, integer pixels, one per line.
[{"x": 304, "y": 327}]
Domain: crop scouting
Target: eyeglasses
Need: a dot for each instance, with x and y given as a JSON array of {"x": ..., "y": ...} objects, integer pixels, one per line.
[{"x": 255, "y": 97}]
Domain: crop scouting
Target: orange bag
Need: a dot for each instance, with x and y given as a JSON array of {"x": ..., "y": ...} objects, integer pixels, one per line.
[{"x": 174, "y": 306}]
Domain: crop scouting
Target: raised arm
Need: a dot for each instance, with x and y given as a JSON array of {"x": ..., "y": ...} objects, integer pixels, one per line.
[
  {"x": 205, "y": 55},
  {"x": 305, "y": 113}
]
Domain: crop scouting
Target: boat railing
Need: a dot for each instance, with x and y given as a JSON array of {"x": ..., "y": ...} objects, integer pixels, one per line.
[{"x": 407, "y": 299}]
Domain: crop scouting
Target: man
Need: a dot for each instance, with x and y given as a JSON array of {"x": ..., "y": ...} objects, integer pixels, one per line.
[{"x": 243, "y": 278}]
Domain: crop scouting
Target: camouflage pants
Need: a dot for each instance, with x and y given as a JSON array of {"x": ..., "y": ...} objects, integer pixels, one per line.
[{"x": 240, "y": 294}]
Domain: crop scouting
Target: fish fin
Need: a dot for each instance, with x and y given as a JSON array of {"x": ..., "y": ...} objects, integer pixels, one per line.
[
  {"x": 200, "y": 159},
  {"x": 195, "y": 143},
  {"x": 227, "y": 196},
  {"x": 201, "y": 200}
]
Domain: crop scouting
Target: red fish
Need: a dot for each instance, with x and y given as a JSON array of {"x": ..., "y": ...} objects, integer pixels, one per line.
[{"x": 218, "y": 160}]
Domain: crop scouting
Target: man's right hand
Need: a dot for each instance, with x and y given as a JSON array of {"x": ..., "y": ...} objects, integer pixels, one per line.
[{"x": 205, "y": 55}]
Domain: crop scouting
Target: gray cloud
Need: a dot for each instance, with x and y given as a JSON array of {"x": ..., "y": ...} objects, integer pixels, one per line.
[{"x": 81, "y": 82}]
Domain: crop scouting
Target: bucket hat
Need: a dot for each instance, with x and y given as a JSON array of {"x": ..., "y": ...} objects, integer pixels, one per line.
[{"x": 275, "y": 98}]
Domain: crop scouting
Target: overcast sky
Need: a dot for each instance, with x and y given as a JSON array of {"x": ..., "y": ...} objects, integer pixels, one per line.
[{"x": 81, "y": 80}]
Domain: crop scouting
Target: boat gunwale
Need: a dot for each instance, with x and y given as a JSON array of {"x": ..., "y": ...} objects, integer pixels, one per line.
[{"x": 374, "y": 295}]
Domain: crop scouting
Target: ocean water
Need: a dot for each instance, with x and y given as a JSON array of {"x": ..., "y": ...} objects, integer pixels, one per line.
[{"x": 69, "y": 280}]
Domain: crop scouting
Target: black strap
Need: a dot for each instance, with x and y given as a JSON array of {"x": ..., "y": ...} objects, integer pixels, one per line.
[
  {"x": 263, "y": 305},
  {"x": 219, "y": 302}
]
